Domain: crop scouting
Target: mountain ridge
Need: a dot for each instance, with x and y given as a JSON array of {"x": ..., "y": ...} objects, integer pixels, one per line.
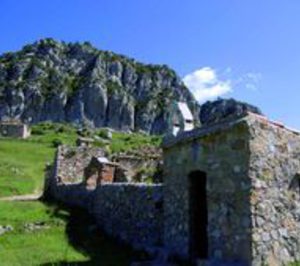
[{"x": 77, "y": 83}]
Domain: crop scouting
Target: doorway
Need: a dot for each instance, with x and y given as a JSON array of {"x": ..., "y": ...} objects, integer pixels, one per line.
[{"x": 198, "y": 217}]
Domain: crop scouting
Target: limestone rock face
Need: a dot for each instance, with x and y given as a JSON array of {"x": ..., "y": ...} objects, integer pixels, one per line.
[
  {"x": 223, "y": 109},
  {"x": 77, "y": 83}
]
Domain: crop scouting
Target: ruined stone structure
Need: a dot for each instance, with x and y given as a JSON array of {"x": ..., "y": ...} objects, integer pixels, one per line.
[
  {"x": 131, "y": 212},
  {"x": 99, "y": 171},
  {"x": 14, "y": 129},
  {"x": 231, "y": 194},
  {"x": 71, "y": 162},
  {"x": 137, "y": 168}
]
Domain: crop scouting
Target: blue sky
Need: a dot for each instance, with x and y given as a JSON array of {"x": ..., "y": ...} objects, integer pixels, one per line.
[{"x": 246, "y": 49}]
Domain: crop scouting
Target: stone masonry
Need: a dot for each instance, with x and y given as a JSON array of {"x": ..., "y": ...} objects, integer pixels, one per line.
[
  {"x": 131, "y": 212},
  {"x": 253, "y": 208},
  {"x": 275, "y": 193},
  {"x": 231, "y": 194}
]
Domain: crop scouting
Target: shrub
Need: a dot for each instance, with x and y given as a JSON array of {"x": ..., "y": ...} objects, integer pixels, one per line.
[
  {"x": 99, "y": 144},
  {"x": 56, "y": 143},
  {"x": 37, "y": 131},
  {"x": 104, "y": 133},
  {"x": 63, "y": 129}
]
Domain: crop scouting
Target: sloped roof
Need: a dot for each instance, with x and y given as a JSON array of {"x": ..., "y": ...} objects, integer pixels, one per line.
[{"x": 223, "y": 125}]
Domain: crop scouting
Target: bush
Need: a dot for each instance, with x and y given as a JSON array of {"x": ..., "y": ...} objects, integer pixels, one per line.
[
  {"x": 37, "y": 131},
  {"x": 56, "y": 143},
  {"x": 45, "y": 126},
  {"x": 104, "y": 133},
  {"x": 63, "y": 129},
  {"x": 99, "y": 144}
]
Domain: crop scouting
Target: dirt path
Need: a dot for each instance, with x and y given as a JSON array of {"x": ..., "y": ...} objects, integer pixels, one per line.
[
  {"x": 28, "y": 197},
  {"x": 37, "y": 194}
]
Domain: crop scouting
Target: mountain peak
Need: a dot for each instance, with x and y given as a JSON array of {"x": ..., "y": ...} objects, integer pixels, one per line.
[{"x": 77, "y": 83}]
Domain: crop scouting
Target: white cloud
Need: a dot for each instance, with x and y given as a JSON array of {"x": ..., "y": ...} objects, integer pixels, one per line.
[
  {"x": 254, "y": 76},
  {"x": 205, "y": 84},
  {"x": 249, "y": 80}
]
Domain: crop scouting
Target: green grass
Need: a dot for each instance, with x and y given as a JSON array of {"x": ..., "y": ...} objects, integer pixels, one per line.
[
  {"x": 67, "y": 239},
  {"x": 46, "y": 133},
  {"x": 22, "y": 166},
  {"x": 125, "y": 142},
  {"x": 22, "y": 247},
  {"x": 22, "y": 162}
]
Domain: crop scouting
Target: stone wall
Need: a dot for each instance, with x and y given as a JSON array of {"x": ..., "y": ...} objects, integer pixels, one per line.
[
  {"x": 253, "y": 191},
  {"x": 221, "y": 152},
  {"x": 73, "y": 160},
  {"x": 132, "y": 212},
  {"x": 275, "y": 197},
  {"x": 63, "y": 183},
  {"x": 137, "y": 168},
  {"x": 252, "y": 171},
  {"x": 140, "y": 165}
]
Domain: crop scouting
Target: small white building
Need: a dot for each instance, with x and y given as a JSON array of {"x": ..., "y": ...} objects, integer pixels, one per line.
[{"x": 182, "y": 118}]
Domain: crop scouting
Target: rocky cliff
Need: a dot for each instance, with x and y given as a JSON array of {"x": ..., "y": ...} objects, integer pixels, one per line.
[
  {"x": 76, "y": 83},
  {"x": 214, "y": 112}
]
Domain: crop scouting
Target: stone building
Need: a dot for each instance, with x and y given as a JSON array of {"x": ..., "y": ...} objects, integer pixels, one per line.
[
  {"x": 14, "y": 129},
  {"x": 100, "y": 170},
  {"x": 232, "y": 192}
]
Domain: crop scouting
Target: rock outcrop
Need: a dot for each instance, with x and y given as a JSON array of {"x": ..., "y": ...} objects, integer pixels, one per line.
[
  {"x": 76, "y": 83},
  {"x": 223, "y": 109}
]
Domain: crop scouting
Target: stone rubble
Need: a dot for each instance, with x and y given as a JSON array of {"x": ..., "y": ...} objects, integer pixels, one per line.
[{"x": 5, "y": 229}]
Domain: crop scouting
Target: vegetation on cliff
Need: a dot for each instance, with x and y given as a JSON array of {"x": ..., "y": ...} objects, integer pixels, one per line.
[{"x": 77, "y": 83}]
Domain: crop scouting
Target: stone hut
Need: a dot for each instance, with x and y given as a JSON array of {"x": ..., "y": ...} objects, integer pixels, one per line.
[
  {"x": 232, "y": 192},
  {"x": 14, "y": 129},
  {"x": 100, "y": 170}
]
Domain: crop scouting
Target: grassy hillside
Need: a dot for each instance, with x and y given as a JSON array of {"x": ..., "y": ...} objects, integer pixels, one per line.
[
  {"x": 22, "y": 162},
  {"x": 43, "y": 235},
  {"x": 22, "y": 166},
  {"x": 24, "y": 247},
  {"x": 46, "y": 235},
  {"x": 58, "y": 240}
]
